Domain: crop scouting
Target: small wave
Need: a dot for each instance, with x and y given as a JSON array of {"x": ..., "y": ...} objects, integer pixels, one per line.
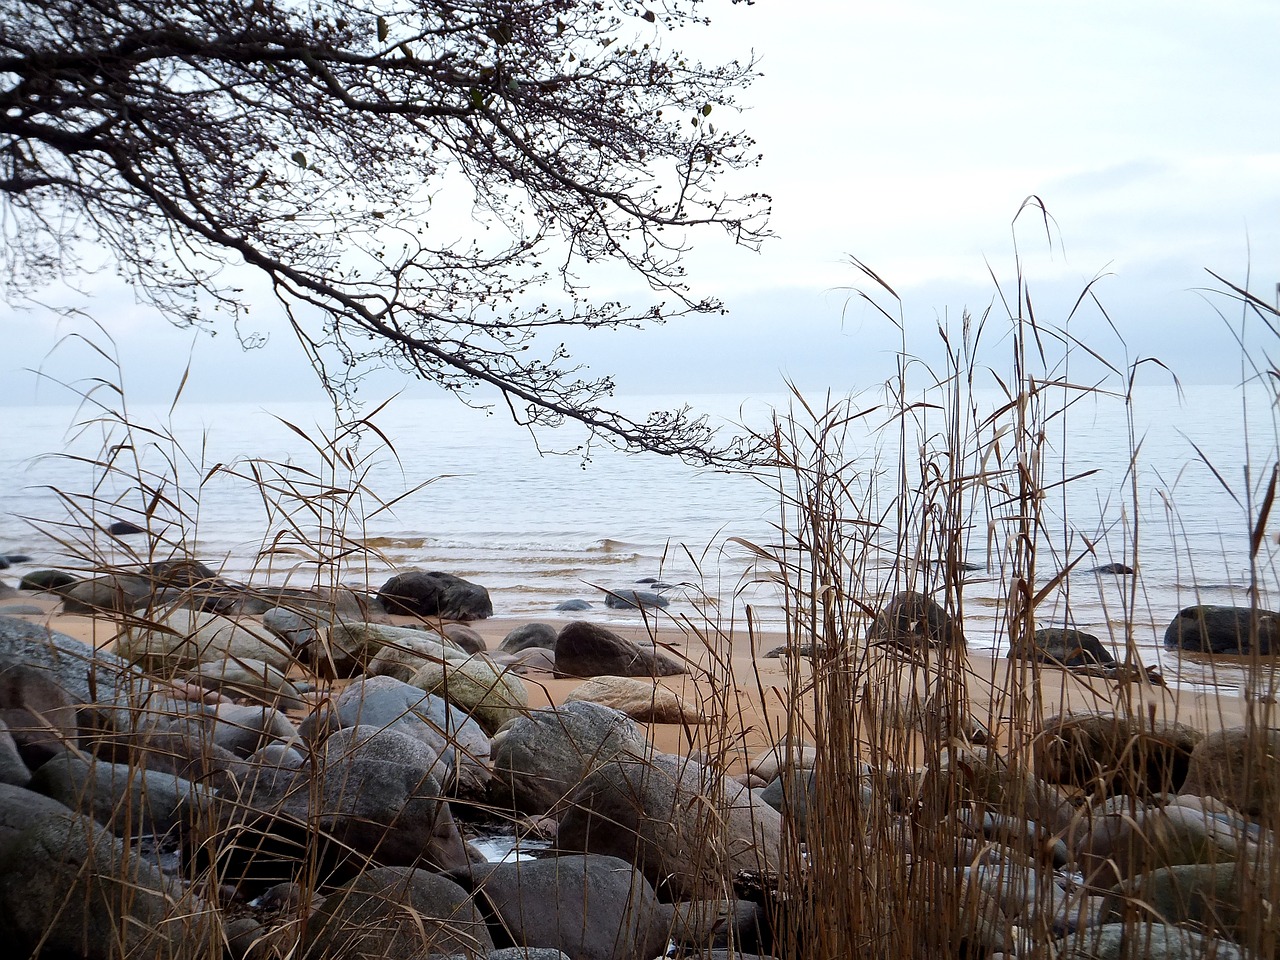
[
  {"x": 608, "y": 545},
  {"x": 396, "y": 543}
]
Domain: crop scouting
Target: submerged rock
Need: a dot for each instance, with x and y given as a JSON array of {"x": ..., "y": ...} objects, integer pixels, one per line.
[{"x": 1216, "y": 629}]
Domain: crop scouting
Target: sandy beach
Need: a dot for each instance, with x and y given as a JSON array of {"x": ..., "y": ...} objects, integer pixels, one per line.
[{"x": 747, "y": 698}]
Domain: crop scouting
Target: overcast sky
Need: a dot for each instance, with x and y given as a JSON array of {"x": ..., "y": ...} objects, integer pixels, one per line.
[{"x": 908, "y": 135}]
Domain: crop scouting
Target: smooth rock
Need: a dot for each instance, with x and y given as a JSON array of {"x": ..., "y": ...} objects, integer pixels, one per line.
[
  {"x": 435, "y": 594},
  {"x": 541, "y": 757},
  {"x": 68, "y": 888},
  {"x": 530, "y": 635},
  {"x": 642, "y": 700},
  {"x": 183, "y": 638},
  {"x": 654, "y": 813},
  {"x": 589, "y": 907},
  {"x": 1063, "y": 647},
  {"x": 397, "y": 913},
  {"x": 1108, "y": 754},
  {"x": 588, "y": 650},
  {"x": 634, "y": 599},
  {"x": 1206, "y": 628},
  {"x": 1239, "y": 767}
]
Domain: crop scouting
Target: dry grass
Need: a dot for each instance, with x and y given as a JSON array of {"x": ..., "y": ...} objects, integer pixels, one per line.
[{"x": 911, "y": 749}]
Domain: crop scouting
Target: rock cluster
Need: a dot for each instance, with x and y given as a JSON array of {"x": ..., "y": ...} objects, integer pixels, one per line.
[{"x": 302, "y": 782}]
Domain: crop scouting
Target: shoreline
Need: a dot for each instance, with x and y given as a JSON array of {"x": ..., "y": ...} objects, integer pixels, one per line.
[{"x": 745, "y": 697}]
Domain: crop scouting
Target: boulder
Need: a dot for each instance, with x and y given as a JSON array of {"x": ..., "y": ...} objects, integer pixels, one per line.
[
  {"x": 486, "y": 692},
  {"x": 1145, "y": 941},
  {"x": 42, "y": 718},
  {"x": 367, "y": 797},
  {"x": 68, "y": 888},
  {"x": 351, "y": 648},
  {"x": 13, "y": 770},
  {"x": 129, "y": 801},
  {"x": 51, "y": 580},
  {"x": 91, "y": 677},
  {"x": 634, "y": 599},
  {"x": 459, "y": 741},
  {"x": 1118, "y": 569},
  {"x": 21, "y": 808},
  {"x": 408, "y": 651},
  {"x": 786, "y": 754},
  {"x": 915, "y": 622},
  {"x": 109, "y": 593},
  {"x": 688, "y": 829},
  {"x": 589, "y": 907},
  {"x": 1109, "y": 754},
  {"x": 576, "y": 605},
  {"x": 541, "y": 757},
  {"x": 464, "y": 638},
  {"x": 1118, "y": 846},
  {"x": 1211, "y": 898},
  {"x": 1064, "y": 648},
  {"x": 182, "y": 638},
  {"x": 179, "y": 573},
  {"x": 588, "y": 650},
  {"x": 242, "y": 729},
  {"x": 246, "y": 678},
  {"x": 397, "y": 913},
  {"x": 435, "y": 594},
  {"x": 529, "y": 660},
  {"x": 642, "y": 700},
  {"x": 1239, "y": 767},
  {"x": 530, "y": 635},
  {"x": 124, "y": 528},
  {"x": 297, "y": 631},
  {"x": 985, "y": 782},
  {"x": 1215, "y": 629}
]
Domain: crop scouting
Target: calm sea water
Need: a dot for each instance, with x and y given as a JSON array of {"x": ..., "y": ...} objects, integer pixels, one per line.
[{"x": 470, "y": 494}]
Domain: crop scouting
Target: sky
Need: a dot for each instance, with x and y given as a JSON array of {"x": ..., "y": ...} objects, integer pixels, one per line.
[{"x": 906, "y": 136}]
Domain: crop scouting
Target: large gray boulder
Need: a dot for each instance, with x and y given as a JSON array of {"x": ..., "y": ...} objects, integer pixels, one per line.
[
  {"x": 688, "y": 829},
  {"x": 460, "y": 742},
  {"x": 110, "y": 684},
  {"x": 13, "y": 770},
  {"x": 43, "y": 719},
  {"x": 68, "y": 888},
  {"x": 645, "y": 701},
  {"x": 434, "y": 594},
  {"x": 397, "y": 913},
  {"x": 110, "y": 594},
  {"x": 539, "y": 758},
  {"x": 589, "y": 907},
  {"x": 21, "y": 808},
  {"x": 1063, "y": 647},
  {"x": 1206, "y": 628},
  {"x": 131, "y": 802},
  {"x": 367, "y": 797},
  {"x": 352, "y": 648},
  {"x": 529, "y": 635},
  {"x": 588, "y": 650}
]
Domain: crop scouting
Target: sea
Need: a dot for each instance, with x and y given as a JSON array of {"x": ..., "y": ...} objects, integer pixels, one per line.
[{"x": 1168, "y": 481}]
